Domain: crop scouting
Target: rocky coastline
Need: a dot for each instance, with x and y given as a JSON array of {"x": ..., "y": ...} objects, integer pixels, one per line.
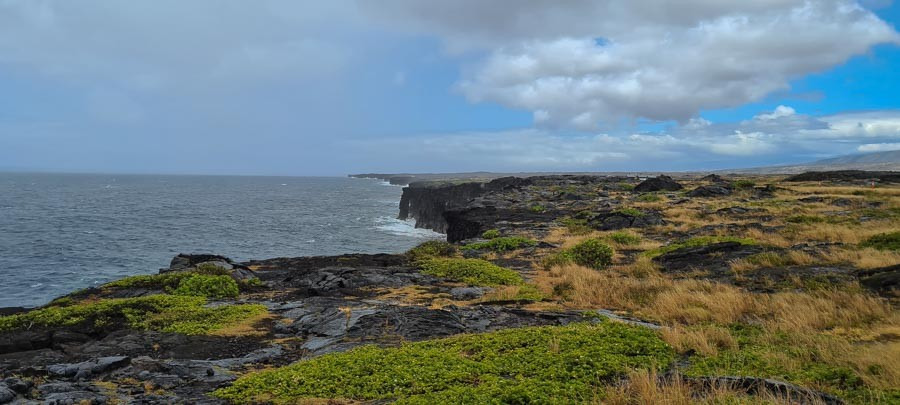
[{"x": 186, "y": 334}]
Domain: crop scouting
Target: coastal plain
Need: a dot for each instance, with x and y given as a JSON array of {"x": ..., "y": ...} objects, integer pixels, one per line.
[{"x": 548, "y": 289}]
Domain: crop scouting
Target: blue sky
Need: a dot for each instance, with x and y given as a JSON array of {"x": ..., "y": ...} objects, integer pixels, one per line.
[{"x": 303, "y": 88}]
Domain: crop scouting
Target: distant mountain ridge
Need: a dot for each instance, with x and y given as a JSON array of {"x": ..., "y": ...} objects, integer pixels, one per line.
[{"x": 883, "y": 161}]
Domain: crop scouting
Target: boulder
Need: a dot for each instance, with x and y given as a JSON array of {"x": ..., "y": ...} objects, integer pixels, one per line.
[
  {"x": 7, "y": 395},
  {"x": 710, "y": 191},
  {"x": 87, "y": 369},
  {"x": 660, "y": 183},
  {"x": 715, "y": 259},
  {"x": 713, "y": 178},
  {"x": 613, "y": 220}
]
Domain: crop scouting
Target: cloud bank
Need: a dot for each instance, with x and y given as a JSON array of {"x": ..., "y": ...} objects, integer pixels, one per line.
[{"x": 605, "y": 61}]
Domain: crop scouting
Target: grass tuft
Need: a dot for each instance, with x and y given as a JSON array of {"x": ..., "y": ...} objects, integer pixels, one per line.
[
  {"x": 475, "y": 272},
  {"x": 502, "y": 244}
]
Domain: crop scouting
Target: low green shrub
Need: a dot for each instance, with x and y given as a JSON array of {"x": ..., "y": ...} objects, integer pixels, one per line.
[
  {"x": 475, "y": 272},
  {"x": 201, "y": 285},
  {"x": 884, "y": 241},
  {"x": 560, "y": 258},
  {"x": 432, "y": 248},
  {"x": 537, "y": 208},
  {"x": 550, "y": 364},
  {"x": 577, "y": 226},
  {"x": 166, "y": 313},
  {"x": 592, "y": 253},
  {"x": 502, "y": 244},
  {"x": 649, "y": 197},
  {"x": 625, "y": 238},
  {"x": 696, "y": 242},
  {"x": 743, "y": 184},
  {"x": 491, "y": 234}
]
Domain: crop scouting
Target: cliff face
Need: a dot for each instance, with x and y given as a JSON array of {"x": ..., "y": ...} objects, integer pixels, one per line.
[{"x": 430, "y": 202}]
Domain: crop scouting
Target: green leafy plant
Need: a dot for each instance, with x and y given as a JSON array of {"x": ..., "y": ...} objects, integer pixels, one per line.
[
  {"x": 649, "y": 197},
  {"x": 430, "y": 249},
  {"x": 743, "y": 184},
  {"x": 491, "y": 234},
  {"x": 502, "y": 244},
  {"x": 475, "y": 272},
  {"x": 592, "y": 253},
  {"x": 537, "y": 208},
  {"x": 166, "y": 313},
  {"x": 551, "y": 364},
  {"x": 201, "y": 285}
]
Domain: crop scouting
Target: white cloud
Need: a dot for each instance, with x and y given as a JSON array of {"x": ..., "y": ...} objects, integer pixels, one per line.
[
  {"x": 878, "y": 147},
  {"x": 656, "y": 59},
  {"x": 696, "y": 145}
]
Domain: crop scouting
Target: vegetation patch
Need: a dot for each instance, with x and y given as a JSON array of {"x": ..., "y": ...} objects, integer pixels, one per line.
[
  {"x": 502, "y": 244},
  {"x": 884, "y": 241},
  {"x": 475, "y": 272},
  {"x": 200, "y": 285},
  {"x": 166, "y": 313},
  {"x": 743, "y": 184},
  {"x": 696, "y": 242},
  {"x": 577, "y": 226},
  {"x": 593, "y": 253},
  {"x": 491, "y": 234},
  {"x": 807, "y": 360},
  {"x": 551, "y": 364},
  {"x": 430, "y": 249},
  {"x": 625, "y": 238},
  {"x": 649, "y": 197},
  {"x": 537, "y": 208}
]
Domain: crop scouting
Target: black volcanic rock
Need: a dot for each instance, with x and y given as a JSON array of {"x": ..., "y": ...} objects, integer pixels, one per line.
[
  {"x": 613, "y": 220},
  {"x": 710, "y": 191},
  {"x": 660, "y": 183},
  {"x": 847, "y": 175}
]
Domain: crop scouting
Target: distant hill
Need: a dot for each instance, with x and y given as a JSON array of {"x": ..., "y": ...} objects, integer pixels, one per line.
[{"x": 884, "y": 161}]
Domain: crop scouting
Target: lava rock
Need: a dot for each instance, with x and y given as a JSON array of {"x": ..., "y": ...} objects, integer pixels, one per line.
[
  {"x": 710, "y": 191},
  {"x": 467, "y": 293},
  {"x": 660, "y": 183},
  {"x": 812, "y": 199},
  {"x": 87, "y": 369},
  {"x": 713, "y": 258},
  {"x": 7, "y": 395}
]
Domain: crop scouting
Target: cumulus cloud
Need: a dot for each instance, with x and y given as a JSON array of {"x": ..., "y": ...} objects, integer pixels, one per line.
[
  {"x": 698, "y": 144},
  {"x": 878, "y": 147},
  {"x": 584, "y": 62}
]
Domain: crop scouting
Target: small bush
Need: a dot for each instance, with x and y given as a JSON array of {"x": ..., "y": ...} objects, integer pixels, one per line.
[
  {"x": 743, "y": 184},
  {"x": 502, "y": 244},
  {"x": 491, "y": 234},
  {"x": 885, "y": 241},
  {"x": 632, "y": 212},
  {"x": 430, "y": 249},
  {"x": 577, "y": 226},
  {"x": 557, "y": 259},
  {"x": 625, "y": 238},
  {"x": 592, "y": 253},
  {"x": 626, "y": 186},
  {"x": 537, "y": 208},
  {"x": 475, "y": 272},
  {"x": 200, "y": 285},
  {"x": 649, "y": 197}
]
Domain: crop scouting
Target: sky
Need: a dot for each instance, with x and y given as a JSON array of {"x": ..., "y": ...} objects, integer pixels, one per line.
[{"x": 284, "y": 87}]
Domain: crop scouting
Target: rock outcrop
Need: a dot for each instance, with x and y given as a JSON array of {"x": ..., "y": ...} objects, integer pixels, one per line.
[
  {"x": 660, "y": 183},
  {"x": 847, "y": 175}
]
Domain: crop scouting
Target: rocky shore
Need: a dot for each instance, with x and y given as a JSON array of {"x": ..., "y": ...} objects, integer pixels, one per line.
[{"x": 676, "y": 249}]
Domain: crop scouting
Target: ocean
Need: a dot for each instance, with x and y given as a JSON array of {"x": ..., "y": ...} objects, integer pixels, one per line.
[{"x": 63, "y": 232}]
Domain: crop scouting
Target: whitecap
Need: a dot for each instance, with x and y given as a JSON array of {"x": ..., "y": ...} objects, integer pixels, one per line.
[{"x": 400, "y": 227}]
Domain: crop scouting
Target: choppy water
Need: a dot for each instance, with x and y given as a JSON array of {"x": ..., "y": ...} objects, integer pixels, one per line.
[{"x": 62, "y": 232}]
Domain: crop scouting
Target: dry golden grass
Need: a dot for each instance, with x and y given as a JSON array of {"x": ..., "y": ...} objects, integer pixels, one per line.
[
  {"x": 691, "y": 302},
  {"x": 252, "y": 326},
  {"x": 862, "y": 259},
  {"x": 810, "y": 189},
  {"x": 707, "y": 340},
  {"x": 646, "y": 387}
]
